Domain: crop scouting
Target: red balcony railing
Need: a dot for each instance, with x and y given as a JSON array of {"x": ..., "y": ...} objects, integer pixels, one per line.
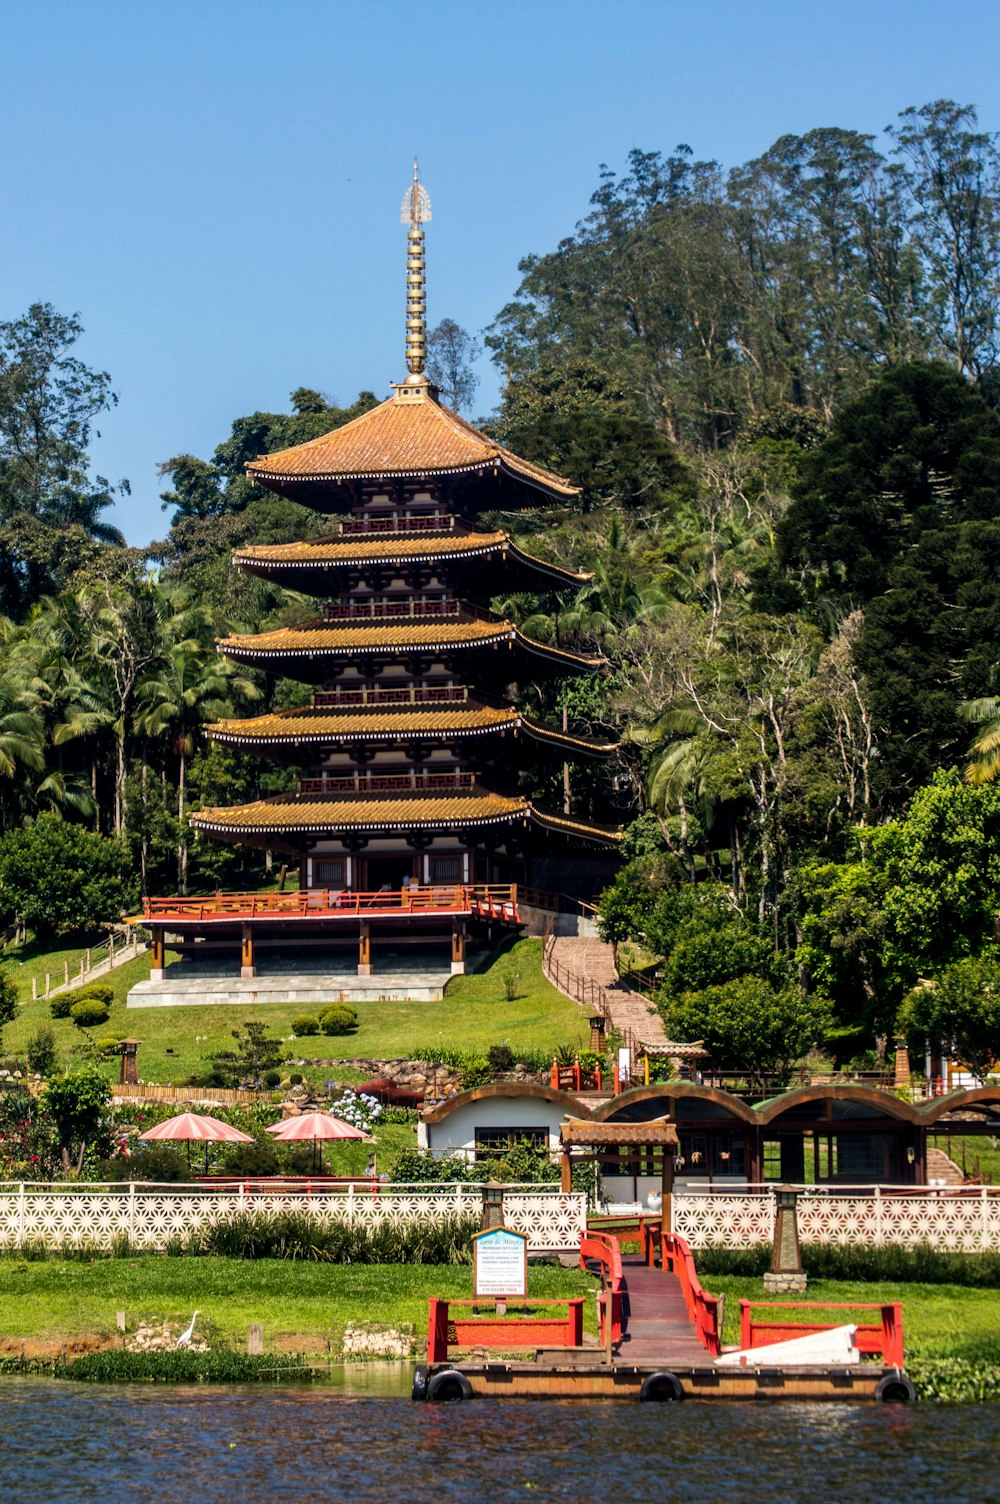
[
  {"x": 410, "y": 694},
  {"x": 383, "y": 610},
  {"x": 480, "y": 900},
  {"x": 398, "y": 522},
  {"x": 388, "y": 783}
]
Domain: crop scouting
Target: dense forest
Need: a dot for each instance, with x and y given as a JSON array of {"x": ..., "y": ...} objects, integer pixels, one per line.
[{"x": 778, "y": 387}]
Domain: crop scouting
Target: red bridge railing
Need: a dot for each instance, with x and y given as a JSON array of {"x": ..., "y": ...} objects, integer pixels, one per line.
[
  {"x": 885, "y": 1339},
  {"x": 603, "y": 1247},
  {"x": 445, "y": 1330}
]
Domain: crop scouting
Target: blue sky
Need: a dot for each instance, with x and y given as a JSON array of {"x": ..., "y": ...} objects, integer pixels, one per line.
[{"x": 215, "y": 186}]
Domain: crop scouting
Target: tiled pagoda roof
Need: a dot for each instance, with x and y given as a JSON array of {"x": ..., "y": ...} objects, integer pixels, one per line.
[
  {"x": 316, "y": 815},
  {"x": 324, "y": 726},
  {"x": 320, "y": 637},
  {"x": 402, "y": 437},
  {"x": 340, "y": 552}
]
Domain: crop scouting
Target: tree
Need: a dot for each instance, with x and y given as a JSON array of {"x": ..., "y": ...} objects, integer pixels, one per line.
[
  {"x": 256, "y": 1052},
  {"x": 920, "y": 895},
  {"x": 48, "y": 402},
  {"x": 79, "y": 1105},
  {"x": 959, "y": 1009},
  {"x": 899, "y": 511},
  {"x": 8, "y": 999},
  {"x": 574, "y": 418},
  {"x": 189, "y": 689},
  {"x": 747, "y": 1024},
  {"x": 451, "y": 355},
  {"x": 952, "y": 175},
  {"x": 58, "y": 878}
]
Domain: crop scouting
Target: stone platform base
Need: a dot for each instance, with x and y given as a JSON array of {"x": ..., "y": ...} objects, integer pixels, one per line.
[
  {"x": 310, "y": 983},
  {"x": 786, "y": 1284}
]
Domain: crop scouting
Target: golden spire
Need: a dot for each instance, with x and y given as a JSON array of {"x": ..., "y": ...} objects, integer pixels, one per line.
[{"x": 415, "y": 213}]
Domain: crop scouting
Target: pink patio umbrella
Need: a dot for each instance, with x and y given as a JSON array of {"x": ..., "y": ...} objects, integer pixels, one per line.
[
  {"x": 192, "y": 1127},
  {"x": 315, "y": 1126}
]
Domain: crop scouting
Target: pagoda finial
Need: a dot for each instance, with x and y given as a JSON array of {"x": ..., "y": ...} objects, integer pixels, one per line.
[{"x": 416, "y": 212}]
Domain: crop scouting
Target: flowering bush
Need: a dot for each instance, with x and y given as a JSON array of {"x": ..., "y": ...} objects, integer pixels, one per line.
[{"x": 358, "y": 1109}]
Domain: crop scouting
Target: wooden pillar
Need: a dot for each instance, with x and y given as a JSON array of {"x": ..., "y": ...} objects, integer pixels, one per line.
[
  {"x": 247, "y": 967},
  {"x": 157, "y": 950},
  {"x": 364, "y": 950},
  {"x": 458, "y": 948},
  {"x": 667, "y": 1188},
  {"x": 565, "y": 1170}
]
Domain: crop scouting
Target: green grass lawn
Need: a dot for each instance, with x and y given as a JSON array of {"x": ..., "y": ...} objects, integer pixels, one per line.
[
  {"x": 300, "y": 1305},
  {"x": 473, "y": 1014},
  {"x": 939, "y": 1321}
]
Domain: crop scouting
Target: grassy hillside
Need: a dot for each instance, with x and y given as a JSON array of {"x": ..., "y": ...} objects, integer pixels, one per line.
[{"x": 473, "y": 1014}]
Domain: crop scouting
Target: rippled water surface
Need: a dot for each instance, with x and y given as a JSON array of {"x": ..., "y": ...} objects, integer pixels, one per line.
[{"x": 70, "y": 1442}]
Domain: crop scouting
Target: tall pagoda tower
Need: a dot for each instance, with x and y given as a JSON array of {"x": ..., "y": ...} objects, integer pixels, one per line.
[{"x": 412, "y": 742}]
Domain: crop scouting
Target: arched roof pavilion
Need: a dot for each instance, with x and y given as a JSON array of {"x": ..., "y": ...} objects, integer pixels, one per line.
[{"x": 976, "y": 1110}]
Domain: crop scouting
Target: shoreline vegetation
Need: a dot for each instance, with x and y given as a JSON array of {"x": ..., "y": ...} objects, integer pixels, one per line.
[{"x": 66, "y": 1310}]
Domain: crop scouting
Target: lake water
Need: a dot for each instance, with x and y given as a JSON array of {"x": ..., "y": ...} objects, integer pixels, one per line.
[{"x": 65, "y": 1443}]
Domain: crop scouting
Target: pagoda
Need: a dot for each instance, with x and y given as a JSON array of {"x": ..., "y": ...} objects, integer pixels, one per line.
[{"x": 409, "y": 817}]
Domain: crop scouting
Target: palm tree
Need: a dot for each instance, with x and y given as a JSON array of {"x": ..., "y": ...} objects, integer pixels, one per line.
[
  {"x": 983, "y": 765},
  {"x": 191, "y": 686}
]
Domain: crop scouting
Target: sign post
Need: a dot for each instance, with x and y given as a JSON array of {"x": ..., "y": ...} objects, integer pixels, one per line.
[{"x": 499, "y": 1266}]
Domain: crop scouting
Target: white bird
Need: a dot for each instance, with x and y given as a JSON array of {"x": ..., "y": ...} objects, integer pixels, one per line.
[{"x": 184, "y": 1340}]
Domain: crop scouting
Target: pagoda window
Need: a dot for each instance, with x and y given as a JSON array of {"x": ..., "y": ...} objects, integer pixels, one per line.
[
  {"x": 446, "y": 869},
  {"x": 329, "y": 873}
]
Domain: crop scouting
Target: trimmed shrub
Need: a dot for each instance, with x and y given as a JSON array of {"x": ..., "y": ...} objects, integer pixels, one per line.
[
  {"x": 63, "y": 1005},
  {"x": 340, "y": 1019},
  {"x": 301, "y": 1027},
  {"x": 272, "y": 1078},
  {"x": 103, "y": 991},
  {"x": 89, "y": 1012},
  {"x": 295, "y": 1079}
]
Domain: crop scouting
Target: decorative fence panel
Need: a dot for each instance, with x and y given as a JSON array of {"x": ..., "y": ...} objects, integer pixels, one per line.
[
  {"x": 966, "y": 1220},
  {"x": 150, "y": 1216},
  {"x": 730, "y": 1218},
  {"x": 553, "y": 1222}
]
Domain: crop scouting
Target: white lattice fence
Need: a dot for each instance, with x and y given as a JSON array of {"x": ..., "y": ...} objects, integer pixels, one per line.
[
  {"x": 966, "y": 1221},
  {"x": 553, "y": 1223},
  {"x": 730, "y": 1218},
  {"x": 150, "y": 1216}
]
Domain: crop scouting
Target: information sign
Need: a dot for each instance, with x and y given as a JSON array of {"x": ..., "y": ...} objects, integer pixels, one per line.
[{"x": 499, "y": 1264}]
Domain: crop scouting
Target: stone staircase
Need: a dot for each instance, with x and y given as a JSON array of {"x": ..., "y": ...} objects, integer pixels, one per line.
[
  {"x": 593, "y": 960},
  {"x": 941, "y": 1169}
]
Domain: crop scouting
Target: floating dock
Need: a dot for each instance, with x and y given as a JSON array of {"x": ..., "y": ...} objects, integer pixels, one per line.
[
  {"x": 660, "y": 1339},
  {"x": 587, "y": 1379}
]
